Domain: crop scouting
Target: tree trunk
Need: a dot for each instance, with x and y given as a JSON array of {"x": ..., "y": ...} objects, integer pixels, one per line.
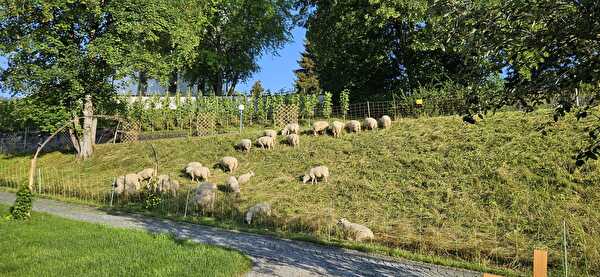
[
  {"x": 86, "y": 145},
  {"x": 172, "y": 90},
  {"x": 142, "y": 89}
]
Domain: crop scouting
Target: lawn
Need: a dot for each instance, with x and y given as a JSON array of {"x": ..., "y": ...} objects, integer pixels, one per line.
[
  {"x": 52, "y": 246},
  {"x": 487, "y": 194}
]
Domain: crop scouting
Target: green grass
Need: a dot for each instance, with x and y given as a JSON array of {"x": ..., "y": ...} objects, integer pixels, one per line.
[
  {"x": 477, "y": 196},
  {"x": 51, "y": 246}
]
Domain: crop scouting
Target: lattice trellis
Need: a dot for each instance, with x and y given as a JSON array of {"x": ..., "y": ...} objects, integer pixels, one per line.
[
  {"x": 130, "y": 131},
  {"x": 205, "y": 123},
  {"x": 285, "y": 114}
]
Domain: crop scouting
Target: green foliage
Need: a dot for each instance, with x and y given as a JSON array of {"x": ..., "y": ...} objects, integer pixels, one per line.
[
  {"x": 85, "y": 249},
  {"x": 345, "y": 101},
  {"x": 261, "y": 109},
  {"x": 257, "y": 89},
  {"x": 307, "y": 81},
  {"x": 152, "y": 201},
  {"x": 30, "y": 113},
  {"x": 21, "y": 210},
  {"x": 309, "y": 103},
  {"x": 327, "y": 104}
]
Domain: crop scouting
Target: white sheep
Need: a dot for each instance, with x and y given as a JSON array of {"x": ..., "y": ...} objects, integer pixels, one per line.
[
  {"x": 244, "y": 145},
  {"x": 291, "y": 128},
  {"x": 266, "y": 142},
  {"x": 385, "y": 122},
  {"x": 370, "y": 123},
  {"x": 127, "y": 184},
  {"x": 245, "y": 178},
  {"x": 196, "y": 170},
  {"x": 205, "y": 196},
  {"x": 260, "y": 209},
  {"x": 315, "y": 173},
  {"x": 166, "y": 184},
  {"x": 232, "y": 184},
  {"x": 271, "y": 133},
  {"x": 353, "y": 126},
  {"x": 355, "y": 231},
  {"x": 293, "y": 140},
  {"x": 228, "y": 164},
  {"x": 147, "y": 174},
  {"x": 319, "y": 127},
  {"x": 336, "y": 128}
]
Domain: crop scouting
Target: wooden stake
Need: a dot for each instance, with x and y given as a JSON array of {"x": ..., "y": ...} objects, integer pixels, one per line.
[{"x": 540, "y": 263}]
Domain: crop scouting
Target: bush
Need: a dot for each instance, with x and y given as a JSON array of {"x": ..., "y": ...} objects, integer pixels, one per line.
[
  {"x": 345, "y": 102},
  {"x": 21, "y": 210},
  {"x": 327, "y": 104}
]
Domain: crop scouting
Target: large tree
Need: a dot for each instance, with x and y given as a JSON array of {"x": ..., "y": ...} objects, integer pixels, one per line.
[
  {"x": 238, "y": 32},
  {"x": 307, "y": 81},
  {"x": 67, "y": 53}
]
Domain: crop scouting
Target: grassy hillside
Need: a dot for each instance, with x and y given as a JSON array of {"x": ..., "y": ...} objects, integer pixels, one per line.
[
  {"x": 51, "y": 246},
  {"x": 489, "y": 193}
]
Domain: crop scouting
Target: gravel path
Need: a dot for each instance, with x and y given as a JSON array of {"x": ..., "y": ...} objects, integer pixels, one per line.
[{"x": 271, "y": 256}]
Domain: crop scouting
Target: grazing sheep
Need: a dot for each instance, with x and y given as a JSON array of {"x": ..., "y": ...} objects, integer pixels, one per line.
[
  {"x": 385, "y": 122},
  {"x": 166, "y": 184},
  {"x": 292, "y": 128},
  {"x": 233, "y": 185},
  {"x": 319, "y": 127},
  {"x": 205, "y": 196},
  {"x": 193, "y": 164},
  {"x": 336, "y": 128},
  {"x": 355, "y": 231},
  {"x": 244, "y": 145},
  {"x": 266, "y": 142},
  {"x": 127, "y": 184},
  {"x": 260, "y": 209},
  {"x": 245, "y": 178},
  {"x": 318, "y": 172},
  {"x": 146, "y": 174},
  {"x": 370, "y": 123},
  {"x": 353, "y": 126},
  {"x": 229, "y": 164},
  {"x": 197, "y": 171},
  {"x": 271, "y": 133},
  {"x": 293, "y": 140}
]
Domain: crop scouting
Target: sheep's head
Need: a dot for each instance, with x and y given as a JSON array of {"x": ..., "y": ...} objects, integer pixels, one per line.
[
  {"x": 248, "y": 218},
  {"x": 305, "y": 178},
  {"x": 342, "y": 222},
  {"x": 251, "y": 173}
]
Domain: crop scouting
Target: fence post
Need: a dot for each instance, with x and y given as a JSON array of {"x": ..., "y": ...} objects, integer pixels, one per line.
[
  {"x": 368, "y": 109},
  {"x": 577, "y": 97},
  {"x": 565, "y": 248},
  {"x": 112, "y": 193},
  {"x": 187, "y": 200},
  {"x": 39, "y": 180}
]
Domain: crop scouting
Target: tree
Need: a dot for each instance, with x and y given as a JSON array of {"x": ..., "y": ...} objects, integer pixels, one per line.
[
  {"x": 238, "y": 32},
  {"x": 306, "y": 76},
  {"x": 257, "y": 89}
]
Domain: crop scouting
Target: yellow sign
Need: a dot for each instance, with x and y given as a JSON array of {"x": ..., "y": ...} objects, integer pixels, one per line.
[{"x": 419, "y": 102}]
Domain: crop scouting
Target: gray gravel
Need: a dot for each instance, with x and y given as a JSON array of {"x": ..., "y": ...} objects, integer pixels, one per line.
[{"x": 271, "y": 256}]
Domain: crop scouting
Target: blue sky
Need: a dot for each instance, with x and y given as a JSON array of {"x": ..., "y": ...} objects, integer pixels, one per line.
[{"x": 276, "y": 71}]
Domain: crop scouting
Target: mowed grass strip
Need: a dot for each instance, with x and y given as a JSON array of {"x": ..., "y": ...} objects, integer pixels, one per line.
[
  {"x": 52, "y": 246},
  {"x": 488, "y": 193}
]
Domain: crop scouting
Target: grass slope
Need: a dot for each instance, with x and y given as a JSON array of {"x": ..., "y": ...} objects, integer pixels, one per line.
[
  {"x": 488, "y": 193},
  {"x": 52, "y": 246}
]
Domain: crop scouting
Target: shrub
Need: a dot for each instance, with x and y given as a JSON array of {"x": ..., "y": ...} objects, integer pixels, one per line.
[
  {"x": 21, "y": 210},
  {"x": 327, "y": 104},
  {"x": 345, "y": 102}
]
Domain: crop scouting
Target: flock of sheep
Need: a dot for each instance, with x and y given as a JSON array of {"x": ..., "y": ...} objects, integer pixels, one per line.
[{"x": 205, "y": 193}]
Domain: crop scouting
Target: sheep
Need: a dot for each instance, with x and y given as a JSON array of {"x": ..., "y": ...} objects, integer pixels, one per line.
[
  {"x": 385, "y": 122},
  {"x": 229, "y": 164},
  {"x": 292, "y": 128},
  {"x": 355, "y": 231},
  {"x": 166, "y": 184},
  {"x": 353, "y": 126},
  {"x": 245, "y": 178},
  {"x": 205, "y": 196},
  {"x": 233, "y": 185},
  {"x": 197, "y": 170},
  {"x": 260, "y": 209},
  {"x": 270, "y": 133},
  {"x": 336, "y": 128},
  {"x": 244, "y": 145},
  {"x": 147, "y": 174},
  {"x": 266, "y": 142},
  {"x": 316, "y": 173},
  {"x": 293, "y": 140},
  {"x": 319, "y": 127},
  {"x": 370, "y": 123},
  {"x": 127, "y": 184}
]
